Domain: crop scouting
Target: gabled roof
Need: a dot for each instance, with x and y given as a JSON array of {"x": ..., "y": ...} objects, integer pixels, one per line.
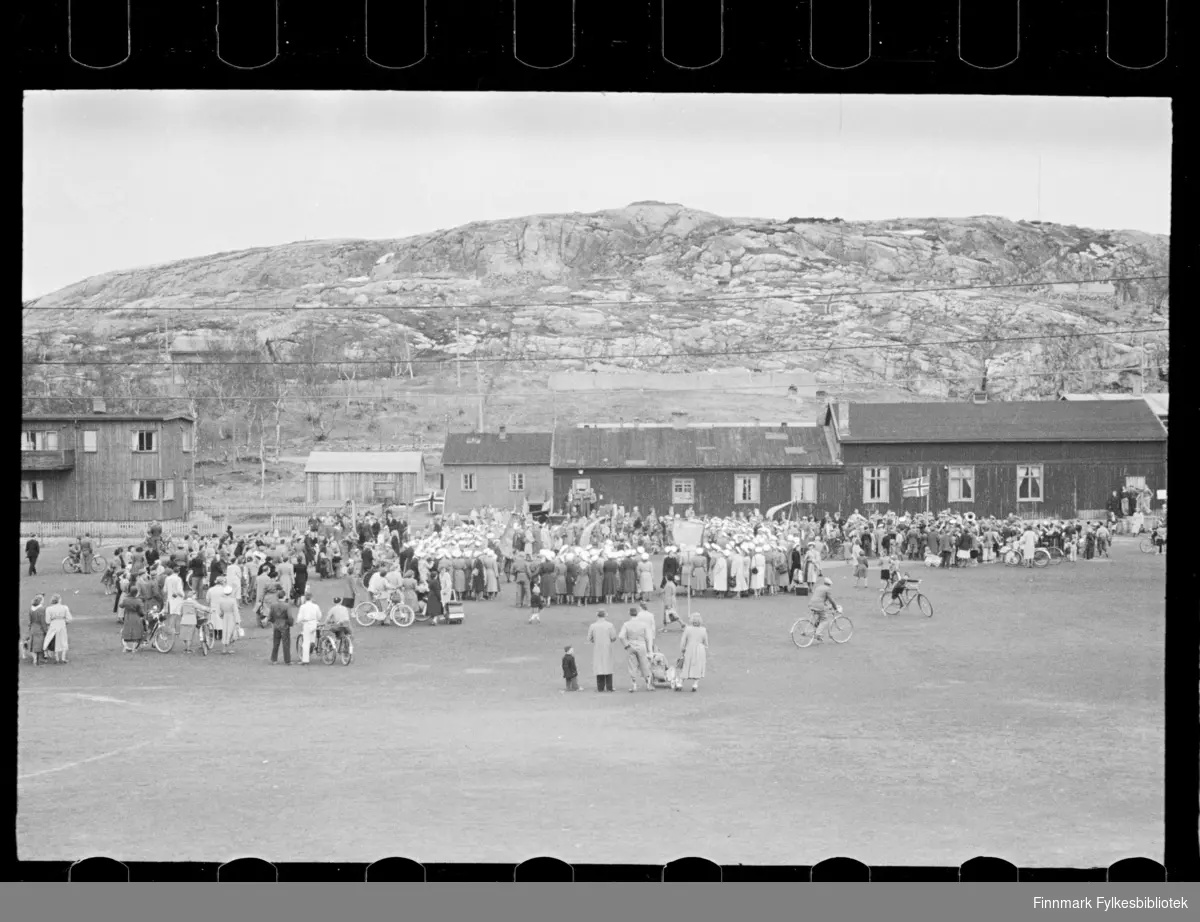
[
  {"x": 364, "y": 462},
  {"x": 1157, "y": 402},
  {"x": 1002, "y": 421},
  {"x": 102, "y": 417},
  {"x": 490, "y": 448},
  {"x": 692, "y": 448}
]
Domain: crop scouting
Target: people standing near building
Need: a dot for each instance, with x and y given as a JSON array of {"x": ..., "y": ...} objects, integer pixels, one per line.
[
  {"x": 32, "y": 550},
  {"x": 635, "y": 637},
  {"x": 602, "y": 635}
]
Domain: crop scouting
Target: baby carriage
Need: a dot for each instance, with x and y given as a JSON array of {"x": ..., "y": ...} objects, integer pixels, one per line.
[{"x": 662, "y": 675}]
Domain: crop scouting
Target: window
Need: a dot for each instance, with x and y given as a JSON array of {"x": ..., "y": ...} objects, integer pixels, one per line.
[
  {"x": 683, "y": 490},
  {"x": 39, "y": 441},
  {"x": 875, "y": 485},
  {"x": 31, "y": 491},
  {"x": 184, "y": 485},
  {"x": 468, "y": 483},
  {"x": 1029, "y": 483},
  {"x": 1135, "y": 483},
  {"x": 168, "y": 490},
  {"x": 581, "y": 484},
  {"x": 745, "y": 488},
  {"x": 143, "y": 440},
  {"x": 89, "y": 440},
  {"x": 962, "y": 484},
  {"x": 804, "y": 488},
  {"x": 516, "y": 482},
  {"x": 145, "y": 490},
  {"x": 185, "y": 438}
]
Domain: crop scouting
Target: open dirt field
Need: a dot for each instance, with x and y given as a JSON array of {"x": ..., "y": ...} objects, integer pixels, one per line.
[{"x": 1024, "y": 720}]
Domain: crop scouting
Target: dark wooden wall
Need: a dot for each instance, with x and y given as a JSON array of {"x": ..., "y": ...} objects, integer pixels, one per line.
[
  {"x": 100, "y": 486},
  {"x": 1075, "y": 475},
  {"x": 714, "y": 489}
]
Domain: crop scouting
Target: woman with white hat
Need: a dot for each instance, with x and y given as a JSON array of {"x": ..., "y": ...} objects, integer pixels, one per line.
[
  {"x": 699, "y": 572},
  {"x": 758, "y": 567},
  {"x": 645, "y": 577},
  {"x": 228, "y": 617},
  {"x": 720, "y": 574},
  {"x": 737, "y": 572}
]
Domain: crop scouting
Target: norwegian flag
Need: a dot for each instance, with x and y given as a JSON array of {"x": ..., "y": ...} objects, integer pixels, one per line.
[{"x": 435, "y": 500}]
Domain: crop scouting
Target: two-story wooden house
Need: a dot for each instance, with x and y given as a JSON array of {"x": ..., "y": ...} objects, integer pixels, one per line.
[{"x": 102, "y": 467}]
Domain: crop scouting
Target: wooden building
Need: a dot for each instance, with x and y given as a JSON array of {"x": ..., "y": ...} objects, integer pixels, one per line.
[
  {"x": 1039, "y": 459},
  {"x": 716, "y": 469},
  {"x": 502, "y": 469},
  {"x": 106, "y": 467},
  {"x": 1159, "y": 403},
  {"x": 364, "y": 476}
]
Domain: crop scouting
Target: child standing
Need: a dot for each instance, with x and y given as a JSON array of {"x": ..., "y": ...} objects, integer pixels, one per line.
[
  {"x": 535, "y": 602},
  {"x": 885, "y": 569},
  {"x": 860, "y": 567},
  {"x": 570, "y": 672},
  {"x": 670, "y": 615}
]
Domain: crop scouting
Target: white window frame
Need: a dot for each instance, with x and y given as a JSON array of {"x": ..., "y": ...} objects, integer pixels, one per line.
[
  {"x": 683, "y": 490},
  {"x": 881, "y": 477},
  {"x": 42, "y": 440},
  {"x": 516, "y": 481},
  {"x": 142, "y": 487},
  {"x": 467, "y": 482},
  {"x": 808, "y": 491},
  {"x": 581, "y": 483},
  {"x": 959, "y": 475},
  {"x": 1036, "y": 473},
  {"x": 140, "y": 439},
  {"x": 740, "y": 482},
  {"x": 1135, "y": 483},
  {"x": 91, "y": 439},
  {"x": 168, "y": 491},
  {"x": 185, "y": 439},
  {"x": 33, "y": 491}
]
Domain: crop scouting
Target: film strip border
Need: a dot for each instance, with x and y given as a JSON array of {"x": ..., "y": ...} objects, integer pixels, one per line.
[
  {"x": 403, "y": 870},
  {"x": 400, "y": 43}
]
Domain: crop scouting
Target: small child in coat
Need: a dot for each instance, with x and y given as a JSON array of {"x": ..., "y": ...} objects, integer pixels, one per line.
[
  {"x": 535, "y": 602},
  {"x": 670, "y": 612},
  {"x": 570, "y": 672},
  {"x": 860, "y": 567}
]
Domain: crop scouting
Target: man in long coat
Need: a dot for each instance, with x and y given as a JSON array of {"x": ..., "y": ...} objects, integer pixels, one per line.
[
  {"x": 602, "y": 635},
  {"x": 32, "y": 550},
  {"x": 670, "y": 567}
]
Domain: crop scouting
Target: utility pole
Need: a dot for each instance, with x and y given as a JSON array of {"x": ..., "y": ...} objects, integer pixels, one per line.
[
  {"x": 479, "y": 387},
  {"x": 457, "y": 352}
]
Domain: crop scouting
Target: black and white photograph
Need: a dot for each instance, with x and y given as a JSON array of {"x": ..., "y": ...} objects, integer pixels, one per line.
[{"x": 371, "y": 440}]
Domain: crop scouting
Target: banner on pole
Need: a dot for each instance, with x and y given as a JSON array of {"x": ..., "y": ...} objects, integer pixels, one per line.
[{"x": 916, "y": 486}]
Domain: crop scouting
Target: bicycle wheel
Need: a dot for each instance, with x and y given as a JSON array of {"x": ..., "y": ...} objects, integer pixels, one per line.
[
  {"x": 1056, "y": 555},
  {"x": 422, "y": 615},
  {"x": 328, "y": 650},
  {"x": 924, "y": 605},
  {"x": 299, "y": 644},
  {"x": 401, "y": 615},
  {"x": 99, "y": 564},
  {"x": 164, "y": 640},
  {"x": 1012, "y": 559},
  {"x": 889, "y": 605},
  {"x": 69, "y": 565},
  {"x": 366, "y": 613},
  {"x": 803, "y": 632},
  {"x": 1041, "y": 558},
  {"x": 840, "y": 629},
  {"x": 1147, "y": 545},
  {"x": 346, "y": 651}
]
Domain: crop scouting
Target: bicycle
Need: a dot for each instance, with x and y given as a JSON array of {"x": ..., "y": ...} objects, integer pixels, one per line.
[
  {"x": 1148, "y": 545},
  {"x": 73, "y": 564},
  {"x": 1014, "y": 558},
  {"x": 890, "y": 605},
  {"x": 805, "y": 630},
  {"x": 369, "y": 613}
]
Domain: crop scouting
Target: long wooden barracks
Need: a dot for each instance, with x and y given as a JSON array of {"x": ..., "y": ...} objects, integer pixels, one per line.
[{"x": 1039, "y": 459}]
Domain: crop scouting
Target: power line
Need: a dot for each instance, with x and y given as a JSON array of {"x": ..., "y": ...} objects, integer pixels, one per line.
[
  {"x": 543, "y": 395},
  {"x": 584, "y": 302},
  {"x": 613, "y": 356}
]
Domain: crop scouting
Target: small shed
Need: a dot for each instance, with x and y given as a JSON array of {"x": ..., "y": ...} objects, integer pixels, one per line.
[{"x": 364, "y": 476}]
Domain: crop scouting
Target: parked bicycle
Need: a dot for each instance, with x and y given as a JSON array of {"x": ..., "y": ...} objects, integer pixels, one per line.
[
  {"x": 328, "y": 647},
  {"x": 163, "y": 640},
  {"x": 73, "y": 563},
  {"x": 1013, "y": 557},
  {"x": 394, "y": 612}
]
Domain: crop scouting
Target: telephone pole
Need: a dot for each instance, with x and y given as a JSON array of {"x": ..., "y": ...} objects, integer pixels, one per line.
[{"x": 457, "y": 352}]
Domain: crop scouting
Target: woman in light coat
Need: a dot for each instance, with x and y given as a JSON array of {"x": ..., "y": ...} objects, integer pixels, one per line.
[
  {"x": 720, "y": 574},
  {"x": 693, "y": 649},
  {"x": 645, "y": 578},
  {"x": 58, "y": 616},
  {"x": 758, "y": 567},
  {"x": 228, "y": 618}
]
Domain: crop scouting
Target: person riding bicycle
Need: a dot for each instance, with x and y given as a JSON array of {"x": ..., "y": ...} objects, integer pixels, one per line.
[
  {"x": 337, "y": 620},
  {"x": 821, "y": 597},
  {"x": 901, "y": 580}
]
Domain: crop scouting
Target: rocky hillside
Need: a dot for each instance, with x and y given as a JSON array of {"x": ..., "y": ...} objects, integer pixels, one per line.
[{"x": 650, "y": 286}]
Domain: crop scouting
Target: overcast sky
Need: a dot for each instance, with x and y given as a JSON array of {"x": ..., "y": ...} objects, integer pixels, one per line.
[{"x": 115, "y": 180}]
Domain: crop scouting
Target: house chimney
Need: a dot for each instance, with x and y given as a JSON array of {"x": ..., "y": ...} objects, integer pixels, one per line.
[
  {"x": 843, "y": 414},
  {"x": 503, "y": 433},
  {"x": 98, "y": 405}
]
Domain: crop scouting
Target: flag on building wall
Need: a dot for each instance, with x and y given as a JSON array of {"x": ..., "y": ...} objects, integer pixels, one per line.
[{"x": 916, "y": 486}]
